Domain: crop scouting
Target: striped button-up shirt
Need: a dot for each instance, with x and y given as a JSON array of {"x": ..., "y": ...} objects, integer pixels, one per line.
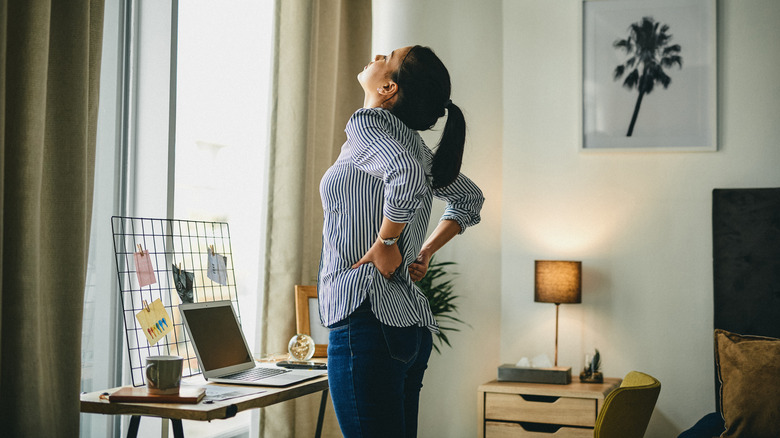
[{"x": 383, "y": 170}]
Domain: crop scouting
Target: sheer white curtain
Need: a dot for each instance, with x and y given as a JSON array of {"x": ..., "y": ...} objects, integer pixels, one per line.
[
  {"x": 181, "y": 132},
  {"x": 320, "y": 46}
]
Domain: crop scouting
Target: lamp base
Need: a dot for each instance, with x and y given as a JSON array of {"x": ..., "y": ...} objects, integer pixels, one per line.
[{"x": 554, "y": 375}]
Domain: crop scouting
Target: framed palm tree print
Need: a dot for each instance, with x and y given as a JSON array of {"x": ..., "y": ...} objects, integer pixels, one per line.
[{"x": 649, "y": 75}]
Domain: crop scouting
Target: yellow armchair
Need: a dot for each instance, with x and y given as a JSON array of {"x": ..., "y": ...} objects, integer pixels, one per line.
[{"x": 627, "y": 409}]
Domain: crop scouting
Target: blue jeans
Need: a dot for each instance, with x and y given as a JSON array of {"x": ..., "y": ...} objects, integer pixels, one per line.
[{"x": 375, "y": 374}]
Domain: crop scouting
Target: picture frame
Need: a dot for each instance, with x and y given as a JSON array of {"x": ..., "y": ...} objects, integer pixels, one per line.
[
  {"x": 307, "y": 319},
  {"x": 671, "y": 108}
]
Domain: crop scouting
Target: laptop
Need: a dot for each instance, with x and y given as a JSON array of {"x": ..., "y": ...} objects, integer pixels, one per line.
[{"x": 222, "y": 351}]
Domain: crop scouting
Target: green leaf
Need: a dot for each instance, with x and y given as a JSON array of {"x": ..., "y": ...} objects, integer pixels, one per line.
[{"x": 438, "y": 287}]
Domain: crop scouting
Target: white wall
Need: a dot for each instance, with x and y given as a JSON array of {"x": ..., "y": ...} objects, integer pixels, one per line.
[
  {"x": 468, "y": 40},
  {"x": 640, "y": 222}
]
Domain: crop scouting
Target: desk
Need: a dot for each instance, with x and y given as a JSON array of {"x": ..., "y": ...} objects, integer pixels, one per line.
[
  {"x": 540, "y": 409},
  {"x": 92, "y": 403}
]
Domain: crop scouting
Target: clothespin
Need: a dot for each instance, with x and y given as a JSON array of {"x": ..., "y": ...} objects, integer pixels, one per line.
[
  {"x": 141, "y": 250},
  {"x": 179, "y": 267},
  {"x": 146, "y": 306},
  {"x": 211, "y": 248}
]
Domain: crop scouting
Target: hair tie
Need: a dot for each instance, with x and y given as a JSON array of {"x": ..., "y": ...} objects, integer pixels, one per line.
[{"x": 447, "y": 103}]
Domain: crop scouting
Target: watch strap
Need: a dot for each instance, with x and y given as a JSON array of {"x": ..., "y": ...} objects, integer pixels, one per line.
[{"x": 388, "y": 241}]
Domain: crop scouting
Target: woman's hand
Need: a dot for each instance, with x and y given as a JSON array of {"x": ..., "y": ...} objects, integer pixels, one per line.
[
  {"x": 443, "y": 233},
  {"x": 386, "y": 258},
  {"x": 419, "y": 267}
]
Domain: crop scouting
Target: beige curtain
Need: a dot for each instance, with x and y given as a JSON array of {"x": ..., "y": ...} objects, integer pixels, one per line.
[
  {"x": 49, "y": 73},
  {"x": 320, "y": 47}
]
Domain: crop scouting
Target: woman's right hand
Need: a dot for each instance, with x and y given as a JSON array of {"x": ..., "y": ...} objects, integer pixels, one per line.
[{"x": 386, "y": 258}]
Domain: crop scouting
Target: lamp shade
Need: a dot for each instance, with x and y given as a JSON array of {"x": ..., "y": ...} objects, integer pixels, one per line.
[{"x": 558, "y": 282}]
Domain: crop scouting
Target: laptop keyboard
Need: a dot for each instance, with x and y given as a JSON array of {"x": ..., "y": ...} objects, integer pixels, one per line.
[{"x": 255, "y": 374}]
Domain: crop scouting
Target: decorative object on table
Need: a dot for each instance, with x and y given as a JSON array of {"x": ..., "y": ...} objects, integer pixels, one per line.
[
  {"x": 441, "y": 297},
  {"x": 539, "y": 369},
  {"x": 633, "y": 51},
  {"x": 307, "y": 318},
  {"x": 184, "y": 282},
  {"x": 301, "y": 347},
  {"x": 513, "y": 373},
  {"x": 557, "y": 282},
  {"x": 591, "y": 373}
]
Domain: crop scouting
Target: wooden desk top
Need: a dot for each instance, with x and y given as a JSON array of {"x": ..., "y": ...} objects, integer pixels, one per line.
[{"x": 92, "y": 403}]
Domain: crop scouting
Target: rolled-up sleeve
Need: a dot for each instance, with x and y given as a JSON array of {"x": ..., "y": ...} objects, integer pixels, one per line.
[
  {"x": 376, "y": 152},
  {"x": 464, "y": 202}
]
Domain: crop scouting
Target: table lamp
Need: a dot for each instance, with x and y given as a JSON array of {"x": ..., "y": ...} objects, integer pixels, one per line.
[{"x": 557, "y": 282}]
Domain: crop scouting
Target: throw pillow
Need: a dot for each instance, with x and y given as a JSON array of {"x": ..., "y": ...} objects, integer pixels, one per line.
[{"x": 749, "y": 371}]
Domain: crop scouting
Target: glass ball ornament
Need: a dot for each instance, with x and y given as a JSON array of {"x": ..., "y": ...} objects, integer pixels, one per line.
[{"x": 301, "y": 347}]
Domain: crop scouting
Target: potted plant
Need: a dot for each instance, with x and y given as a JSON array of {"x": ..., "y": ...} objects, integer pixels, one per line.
[
  {"x": 439, "y": 291},
  {"x": 591, "y": 373}
]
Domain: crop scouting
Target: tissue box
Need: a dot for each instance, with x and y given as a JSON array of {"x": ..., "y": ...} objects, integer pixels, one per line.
[{"x": 555, "y": 375}]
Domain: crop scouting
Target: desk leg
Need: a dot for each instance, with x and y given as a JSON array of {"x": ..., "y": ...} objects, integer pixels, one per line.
[
  {"x": 321, "y": 416},
  {"x": 132, "y": 430},
  {"x": 135, "y": 421},
  {"x": 178, "y": 430}
]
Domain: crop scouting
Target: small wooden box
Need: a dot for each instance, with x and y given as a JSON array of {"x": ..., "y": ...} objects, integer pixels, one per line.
[{"x": 554, "y": 375}]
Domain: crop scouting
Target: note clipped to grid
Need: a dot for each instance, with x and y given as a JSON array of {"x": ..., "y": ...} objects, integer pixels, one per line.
[
  {"x": 154, "y": 321},
  {"x": 184, "y": 282},
  {"x": 143, "y": 268},
  {"x": 217, "y": 270}
]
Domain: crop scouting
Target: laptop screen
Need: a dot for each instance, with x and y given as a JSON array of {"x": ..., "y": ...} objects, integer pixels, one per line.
[{"x": 217, "y": 336}]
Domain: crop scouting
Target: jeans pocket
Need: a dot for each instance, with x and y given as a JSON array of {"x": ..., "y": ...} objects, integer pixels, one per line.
[{"x": 403, "y": 343}]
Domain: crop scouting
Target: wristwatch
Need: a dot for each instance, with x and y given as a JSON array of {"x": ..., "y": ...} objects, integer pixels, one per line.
[{"x": 389, "y": 241}]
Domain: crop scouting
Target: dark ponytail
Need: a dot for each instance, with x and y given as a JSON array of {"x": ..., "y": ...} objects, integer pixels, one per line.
[
  {"x": 449, "y": 153},
  {"x": 423, "y": 95}
]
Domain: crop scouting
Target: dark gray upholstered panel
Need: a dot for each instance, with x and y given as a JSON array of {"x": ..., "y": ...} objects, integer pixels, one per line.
[{"x": 746, "y": 260}]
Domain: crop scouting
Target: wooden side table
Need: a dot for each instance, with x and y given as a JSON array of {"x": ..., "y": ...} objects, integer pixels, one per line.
[{"x": 515, "y": 409}]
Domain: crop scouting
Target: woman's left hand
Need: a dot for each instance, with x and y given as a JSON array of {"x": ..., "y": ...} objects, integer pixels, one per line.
[
  {"x": 419, "y": 267},
  {"x": 386, "y": 258}
]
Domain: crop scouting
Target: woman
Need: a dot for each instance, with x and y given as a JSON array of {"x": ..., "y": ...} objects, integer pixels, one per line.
[{"x": 377, "y": 202}]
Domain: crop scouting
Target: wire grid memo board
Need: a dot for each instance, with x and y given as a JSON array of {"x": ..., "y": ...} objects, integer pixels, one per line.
[{"x": 185, "y": 244}]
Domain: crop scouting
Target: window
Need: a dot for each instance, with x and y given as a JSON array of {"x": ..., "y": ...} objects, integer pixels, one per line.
[{"x": 182, "y": 133}]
